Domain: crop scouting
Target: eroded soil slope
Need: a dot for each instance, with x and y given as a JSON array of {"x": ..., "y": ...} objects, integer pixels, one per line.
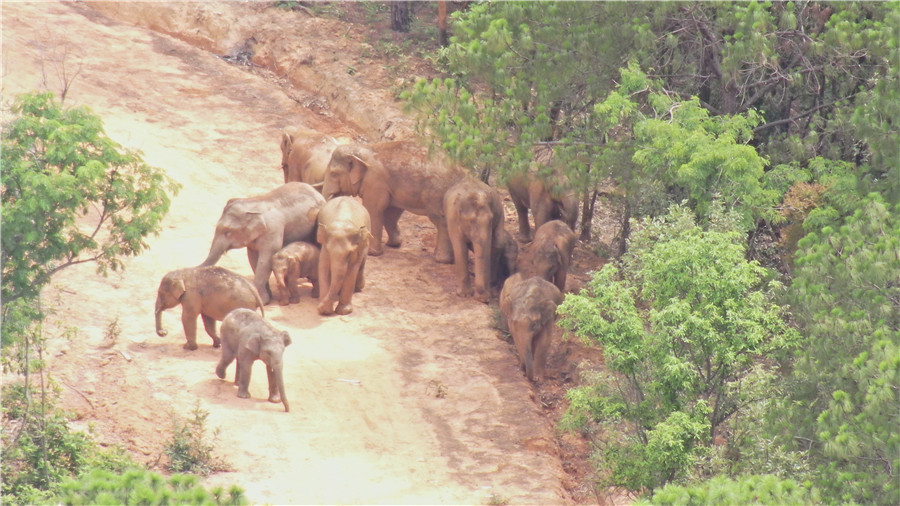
[{"x": 413, "y": 398}]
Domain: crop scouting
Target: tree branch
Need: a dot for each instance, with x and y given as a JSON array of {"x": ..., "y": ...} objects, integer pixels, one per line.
[{"x": 801, "y": 115}]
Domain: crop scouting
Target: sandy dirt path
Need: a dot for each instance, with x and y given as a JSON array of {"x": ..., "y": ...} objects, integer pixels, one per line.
[{"x": 436, "y": 412}]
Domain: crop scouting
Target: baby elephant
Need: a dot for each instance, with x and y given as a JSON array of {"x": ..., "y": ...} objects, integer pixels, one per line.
[
  {"x": 551, "y": 252},
  {"x": 528, "y": 305},
  {"x": 249, "y": 337},
  {"x": 211, "y": 292},
  {"x": 296, "y": 260}
]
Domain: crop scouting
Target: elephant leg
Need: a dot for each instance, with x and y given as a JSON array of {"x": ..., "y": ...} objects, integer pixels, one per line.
[
  {"x": 242, "y": 376},
  {"x": 482, "y": 254},
  {"x": 392, "y": 227},
  {"x": 225, "y": 361},
  {"x": 261, "y": 275},
  {"x": 461, "y": 263},
  {"x": 293, "y": 288},
  {"x": 325, "y": 282},
  {"x": 361, "y": 277},
  {"x": 252, "y": 257},
  {"x": 274, "y": 395},
  {"x": 376, "y": 215},
  {"x": 559, "y": 278},
  {"x": 344, "y": 305},
  {"x": 209, "y": 323},
  {"x": 524, "y": 226},
  {"x": 189, "y": 322},
  {"x": 443, "y": 250},
  {"x": 314, "y": 293}
]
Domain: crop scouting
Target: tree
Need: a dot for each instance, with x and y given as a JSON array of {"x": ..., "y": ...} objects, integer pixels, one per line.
[
  {"x": 400, "y": 16},
  {"x": 846, "y": 383},
  {"x": 686, "y": 324},
  {"x": 70, "y": 195}
]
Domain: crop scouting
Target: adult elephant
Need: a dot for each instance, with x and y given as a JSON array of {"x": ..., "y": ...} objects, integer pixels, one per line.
[
  {"x": 305, "y": 154},
  {"x": 548, "y": 197},
  {"x": 474, "y": 219},
  {"x": 392, "y": 177},
  {"x": 264, "y": 224},
  {"x": 343, "y": 232}
]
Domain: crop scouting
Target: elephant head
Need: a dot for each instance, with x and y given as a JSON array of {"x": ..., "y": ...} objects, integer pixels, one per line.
[
  {"x": 237, "y": 228},
  {"x": 346, "y": 170},
  {"x": 270, "y": 349},
  {"x": 171, "y": 289}
]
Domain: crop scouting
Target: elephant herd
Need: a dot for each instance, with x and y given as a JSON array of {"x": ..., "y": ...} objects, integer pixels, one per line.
[{"x": 330, "y": 214}]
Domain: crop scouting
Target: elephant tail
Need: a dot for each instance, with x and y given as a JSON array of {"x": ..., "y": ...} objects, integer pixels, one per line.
[{"x": 259, "y": 301}]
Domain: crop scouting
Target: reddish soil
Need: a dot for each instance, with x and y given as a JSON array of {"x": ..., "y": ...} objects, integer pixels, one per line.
[{"x": 415, "y": 397}]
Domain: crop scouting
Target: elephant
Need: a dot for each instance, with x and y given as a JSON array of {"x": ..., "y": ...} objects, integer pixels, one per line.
[
  {"x": 249, "y": 337},
  {"x": 475, "y": 217},
  {"x": 505, "y": 252},
  {"x": 264, "y": 224},
  {"x": 296, "y": 260},
  {"x": 549, "y": 198},
  {"x": 528, "y": 306},
  {"x": 211, "y": 292},
  {"x": 305, "y": 154},
  {"x": 551, "y": 252},
  {"x": 344, "y": 233},
  {"x": 392, "y": 177}
]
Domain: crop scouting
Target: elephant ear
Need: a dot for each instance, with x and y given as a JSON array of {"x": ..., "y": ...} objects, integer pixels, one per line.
[
  {"x": 253, "y": 344},
  {"x": 256, "y": 224},
  {"x": 286, "y": 338},
  {"x": 178, "y": 288},
  {"x": 286, "y": 142},
  {"x": 358, "y": 168}
]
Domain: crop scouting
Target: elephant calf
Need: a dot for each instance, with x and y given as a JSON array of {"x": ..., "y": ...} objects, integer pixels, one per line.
[
  {"x": 528, "y": 306},
  {"x": 296, "y": 260},
  {"x": 249, "y": 337},
  {"x": 211, "y": 292},
  {"x": 551, "y": 252}
]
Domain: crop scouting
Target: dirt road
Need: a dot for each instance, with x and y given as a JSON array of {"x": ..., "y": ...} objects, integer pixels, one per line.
[{"x": 435, "y": 409}]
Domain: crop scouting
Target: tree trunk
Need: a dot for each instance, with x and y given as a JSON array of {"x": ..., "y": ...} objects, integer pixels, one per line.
[
  {"x": 587, "y": 214},
  {"x": 442, "y": 23},
  {"x": 400, "y": 17}
]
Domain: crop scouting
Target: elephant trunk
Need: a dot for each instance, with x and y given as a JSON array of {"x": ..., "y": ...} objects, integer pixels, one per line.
[
  {"x": 279, "y": 379},
  {"x": 160, "y": 331},
  {"x": 216, "y": 250}
]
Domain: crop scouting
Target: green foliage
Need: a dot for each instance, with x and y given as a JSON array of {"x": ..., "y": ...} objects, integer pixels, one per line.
[
  {"x": 191, "y": 450},
  {"x": 39, "y": 448},
  {"x": 70, "y": 195},
  {"x": 690, "y": 153},
  {"x": 522, "y": 73},
  {"x": 138, "y": 486},
  {"x": 751, "y": 489},
  {"x": 683, "y": 324},
  {"x": 846, "y": 391}
]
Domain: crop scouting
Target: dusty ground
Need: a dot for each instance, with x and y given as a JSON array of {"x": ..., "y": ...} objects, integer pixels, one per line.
[{"x": 413, "y": 398}]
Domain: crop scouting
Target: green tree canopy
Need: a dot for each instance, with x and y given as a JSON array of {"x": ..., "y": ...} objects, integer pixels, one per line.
[
  {"x": 70, "y": 195},
  {"x": 682, "y": 324},
  {"x": 846, "y": 384}
]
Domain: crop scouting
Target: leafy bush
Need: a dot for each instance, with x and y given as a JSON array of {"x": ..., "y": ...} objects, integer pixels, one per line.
[
  {"x": 684, "y": 322},
  {"x": 190, "y": 450},
  {"x": 762, "y": 490},
  {"x": 139, "y": 486}
]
